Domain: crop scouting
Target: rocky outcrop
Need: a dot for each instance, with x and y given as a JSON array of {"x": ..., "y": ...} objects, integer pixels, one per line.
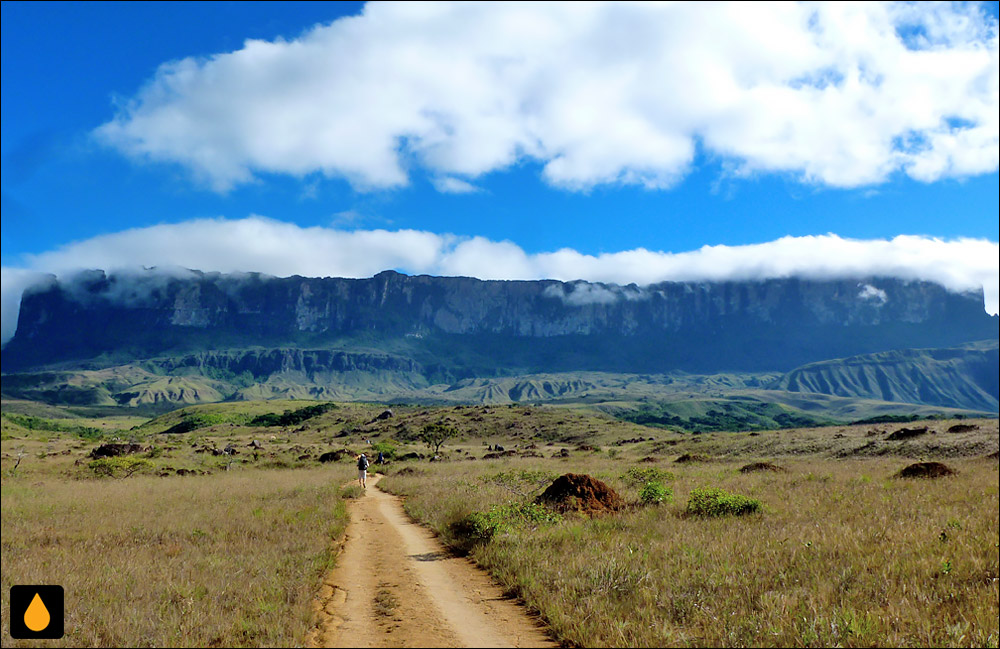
[
  {"x": 925, "y": 470},
  {"x": 115, "y": 450}
]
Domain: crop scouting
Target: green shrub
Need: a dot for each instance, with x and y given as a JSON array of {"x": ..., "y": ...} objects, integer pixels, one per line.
[
  {"x": 386, "y": 448},
  {"x": 654, "y": 493},
  {"x": 119, "y": 467},
  {"x": 641, "y": 475},
  {"x": 483, "y": 526},
  {"x": 712, "y": 501}
]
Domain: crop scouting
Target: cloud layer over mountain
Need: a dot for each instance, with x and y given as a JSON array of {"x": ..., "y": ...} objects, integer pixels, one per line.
[
  {"x": 843, "y": 95},
  {"x": 283, "y": 249}
]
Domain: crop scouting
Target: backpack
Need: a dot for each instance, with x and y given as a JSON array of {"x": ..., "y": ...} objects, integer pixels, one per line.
[{"x": 362, "y": 463}]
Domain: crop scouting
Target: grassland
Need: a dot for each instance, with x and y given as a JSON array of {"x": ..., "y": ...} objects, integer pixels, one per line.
[
  {"x": 229, "y": 561},
  {"x": 842, "y": 553},
  {"x": 219, "y": 558}
]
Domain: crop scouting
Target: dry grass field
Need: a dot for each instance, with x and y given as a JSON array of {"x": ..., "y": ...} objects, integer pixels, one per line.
[
  {"x": 842, "y": 553},
  {"x": 233, "y": 559}
]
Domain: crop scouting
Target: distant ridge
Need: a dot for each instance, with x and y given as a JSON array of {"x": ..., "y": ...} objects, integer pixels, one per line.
[{"x": 962, "y": 377}]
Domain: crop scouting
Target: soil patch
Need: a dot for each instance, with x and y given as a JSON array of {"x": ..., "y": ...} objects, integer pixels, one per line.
[
  {"x": 761, "y": 466},
  {"x": 926, "y": 470},
  {"x": 963, "y": 428},
  {"x": 395, "y": 585},
  {"x": 575, "y": 492}
]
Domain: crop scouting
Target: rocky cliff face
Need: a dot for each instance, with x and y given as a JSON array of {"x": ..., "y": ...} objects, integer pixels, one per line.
[{"x": 457, "y": 323}]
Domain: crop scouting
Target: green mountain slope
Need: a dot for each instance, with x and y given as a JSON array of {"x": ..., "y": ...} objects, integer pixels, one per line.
[
  {"x": 958, "y": 377},
  {"x": 926, "y": 382},
  {"x": 586, "y": 387}
]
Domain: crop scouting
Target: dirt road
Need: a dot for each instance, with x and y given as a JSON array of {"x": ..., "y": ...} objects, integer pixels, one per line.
[{"x": 396, "y": 586}]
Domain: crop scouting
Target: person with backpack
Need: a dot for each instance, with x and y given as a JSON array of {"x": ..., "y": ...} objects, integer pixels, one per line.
[{"x": 363, "y": 471}]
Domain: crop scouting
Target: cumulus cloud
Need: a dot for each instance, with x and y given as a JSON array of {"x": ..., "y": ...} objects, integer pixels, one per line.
[
  {"x": 839, "y": 94},
  {"x": 282, "y": 249}
]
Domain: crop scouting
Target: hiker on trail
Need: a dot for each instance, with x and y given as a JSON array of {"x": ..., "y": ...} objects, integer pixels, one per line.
[
  {"x": 381, "y": 459},
  {"x": 363, "y": 471}
]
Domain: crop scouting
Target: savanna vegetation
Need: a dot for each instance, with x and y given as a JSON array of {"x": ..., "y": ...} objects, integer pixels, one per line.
[
  {"x": 230, "y": 560},
  {"x": 213, "y": 528},
  {"x": 826, "y": 553}
]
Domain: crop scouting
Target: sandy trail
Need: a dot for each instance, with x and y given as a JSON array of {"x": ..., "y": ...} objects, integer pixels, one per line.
[{"x": 395, "y": 585}]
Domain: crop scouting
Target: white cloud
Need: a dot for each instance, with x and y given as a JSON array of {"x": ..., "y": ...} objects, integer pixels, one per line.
[
  {"x": 13, "y": 282},
  {"x": 452, "y": 185},
  {"x": 251, "y": 244},
  {"x": 840, "y": 94},
  {"x": 869, "y": 292},
  {"x": 582, "y": 293},
  {"x": 282, "y": 249}
]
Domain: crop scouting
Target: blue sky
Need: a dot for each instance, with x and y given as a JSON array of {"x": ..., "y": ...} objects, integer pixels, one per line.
[{"x": 484, "y": 139}]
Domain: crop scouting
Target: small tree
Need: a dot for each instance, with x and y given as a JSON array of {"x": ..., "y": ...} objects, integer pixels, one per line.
[
  {"x": 20, "y": 456},
  {"x": 435, "y": 435}
]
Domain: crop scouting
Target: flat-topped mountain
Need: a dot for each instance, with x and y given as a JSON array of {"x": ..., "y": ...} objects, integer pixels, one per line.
[{"x": 455, "y": 327}]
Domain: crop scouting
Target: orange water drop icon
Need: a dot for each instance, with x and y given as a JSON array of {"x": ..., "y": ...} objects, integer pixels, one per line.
[{"x": 37, "y": 616}]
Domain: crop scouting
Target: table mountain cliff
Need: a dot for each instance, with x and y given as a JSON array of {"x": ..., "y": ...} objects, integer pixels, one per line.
[{"x": 453, "y": 327}]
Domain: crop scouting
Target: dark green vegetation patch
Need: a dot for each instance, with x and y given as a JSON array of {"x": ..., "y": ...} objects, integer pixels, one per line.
[
  {"x": 292, "y": 417},
  {"x": 38, "y": 423}
]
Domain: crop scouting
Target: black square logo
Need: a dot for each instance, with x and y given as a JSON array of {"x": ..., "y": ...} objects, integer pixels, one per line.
[{"x": 36, "y": 612}]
